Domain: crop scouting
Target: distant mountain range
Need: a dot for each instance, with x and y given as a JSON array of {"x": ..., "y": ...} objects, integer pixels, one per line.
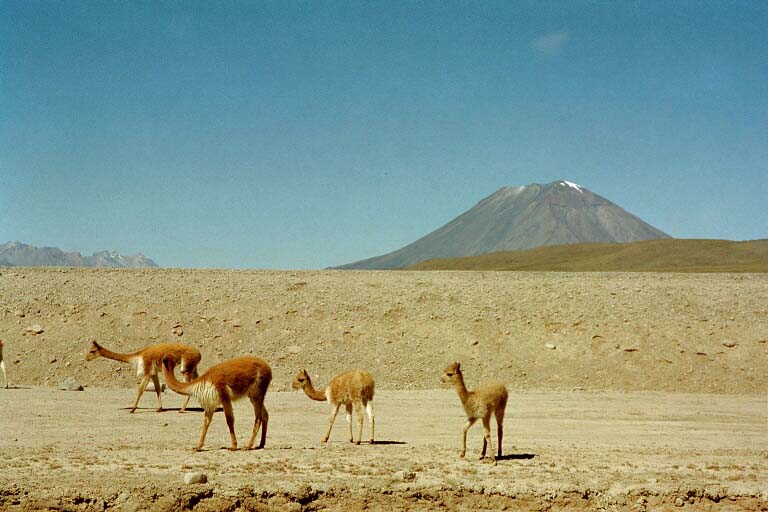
[
  {"x": 526, "y": 217},
  {"x": 17, "y": 254}
]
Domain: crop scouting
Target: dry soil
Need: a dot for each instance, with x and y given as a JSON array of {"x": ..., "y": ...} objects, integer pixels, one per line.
[{"x": 628, "y": 391}]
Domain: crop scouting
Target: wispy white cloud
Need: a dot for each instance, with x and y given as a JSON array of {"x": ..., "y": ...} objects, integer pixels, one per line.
[{"x": 550, "y": 43}]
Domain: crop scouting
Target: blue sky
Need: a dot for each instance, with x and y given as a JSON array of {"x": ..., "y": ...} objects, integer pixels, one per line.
[{"x": 312, "y": 134}]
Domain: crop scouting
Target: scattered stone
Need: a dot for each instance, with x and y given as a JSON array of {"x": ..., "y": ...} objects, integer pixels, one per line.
[
  {"x": 404, "y": 476},
  {"x": 550, "y": 346},
  {"x": 195, "y": 478},
  {"x": 728, "y": 343},
  {"x": 19, "y": 314},
  {"x": 70, "y": 384},
  {"x": 177, "y": 332},
  {"x": 679, "y": 502},
  {"x": 294, "y": 349},
  {"x": 35, "y": 329}
]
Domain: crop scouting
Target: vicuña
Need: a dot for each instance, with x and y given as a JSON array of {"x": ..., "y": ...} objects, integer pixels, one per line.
[
  {"x": 148, "y": 362},
  {"x": 486, "y": 399},
  {"x": 221, "y": 385},
  {"x": 2, "y": 365},
  {"x": 352, "y": 389}
]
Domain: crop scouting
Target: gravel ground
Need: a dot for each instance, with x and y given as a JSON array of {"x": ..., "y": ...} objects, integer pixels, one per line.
[
  {"x": 67, "y": 450},
  {"x": 628, "y": 391}
]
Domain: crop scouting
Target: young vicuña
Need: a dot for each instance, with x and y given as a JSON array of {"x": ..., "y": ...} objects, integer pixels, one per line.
[
  {"x": 148, "y": 362},
  {"x": 352, "y": 389},
  {"x": 221, "y": 385},
  {"x": 486, "y": 399}
]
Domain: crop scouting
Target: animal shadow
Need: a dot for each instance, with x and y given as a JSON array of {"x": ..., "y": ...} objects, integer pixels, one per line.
[
  {"x": 517, "y": 456},
  {"x": 194, "y": 409},
  {"x": 388, "y": 442},
  {"x": 167, "y": 409}
]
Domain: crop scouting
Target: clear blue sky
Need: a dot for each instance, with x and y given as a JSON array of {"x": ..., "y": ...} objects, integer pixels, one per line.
[{"x": 311, "y": 134}]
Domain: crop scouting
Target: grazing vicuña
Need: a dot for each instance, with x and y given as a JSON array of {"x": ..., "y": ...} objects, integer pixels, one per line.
[{"x": 148, "y": 362}]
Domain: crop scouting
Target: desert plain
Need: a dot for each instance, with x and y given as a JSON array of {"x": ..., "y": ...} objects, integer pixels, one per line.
[{"x": 628, "y": 391}]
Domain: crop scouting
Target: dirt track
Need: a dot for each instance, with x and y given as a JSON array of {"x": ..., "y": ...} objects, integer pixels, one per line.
[{"x": 565, "y": 450}]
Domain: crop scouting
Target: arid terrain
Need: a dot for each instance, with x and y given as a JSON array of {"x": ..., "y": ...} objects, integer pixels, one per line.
[{"x": 627, "y": 391}]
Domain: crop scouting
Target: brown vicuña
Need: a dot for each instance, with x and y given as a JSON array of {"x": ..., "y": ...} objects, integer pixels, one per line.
[
  {"x": 148, "y": 362},
  {"x": 2, "y": 365},
  {"x": 221, "y": 385},
  {"x": 352, "y": 389},
  {"x": 486, "y": 399}
]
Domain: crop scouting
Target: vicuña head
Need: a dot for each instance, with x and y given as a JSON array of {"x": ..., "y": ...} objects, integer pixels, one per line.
[
  {"x": 484, "y": 401},
  {"x": 353, "y": 389},
  {"x": 452, "y": 373},
  {"x": 221, "y": 385},
  {"x": 94, "y": 352},
  {"x": 148, "y": 362},
  {"x": 301, "y": 380}
]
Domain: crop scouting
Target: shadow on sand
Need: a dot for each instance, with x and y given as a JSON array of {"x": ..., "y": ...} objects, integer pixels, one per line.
[
  {"x": 517, "y": 456},
  {"x": 167, "y": 409}
]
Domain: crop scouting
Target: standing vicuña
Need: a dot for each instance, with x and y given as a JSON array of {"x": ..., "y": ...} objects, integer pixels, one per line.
[
  {"x": 148, "y": 362},
  {"x": 352, "y": 389},
  {"x": 221, "y": 385},
  {"x": 2, "y": 365},
  {"x": 486, "y": 399}
]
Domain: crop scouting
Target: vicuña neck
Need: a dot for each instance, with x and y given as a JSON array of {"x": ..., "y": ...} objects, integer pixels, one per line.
[
  {"x": 174, "y": 384},
  {"x": 117, "y": 356},
  {"x": 461, "y": 388},
  {"x": 313, "y": 393}
]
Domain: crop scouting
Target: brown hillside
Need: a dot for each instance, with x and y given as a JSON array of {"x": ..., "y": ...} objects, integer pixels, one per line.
[
  {"x": 665, "y": 255},
  {"x": 601, "y": 331}
]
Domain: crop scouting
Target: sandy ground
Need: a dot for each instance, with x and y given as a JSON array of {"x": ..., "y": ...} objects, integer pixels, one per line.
[
  {"x": 628, "y": 391},
  {"x": 563, "y": 450}
]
